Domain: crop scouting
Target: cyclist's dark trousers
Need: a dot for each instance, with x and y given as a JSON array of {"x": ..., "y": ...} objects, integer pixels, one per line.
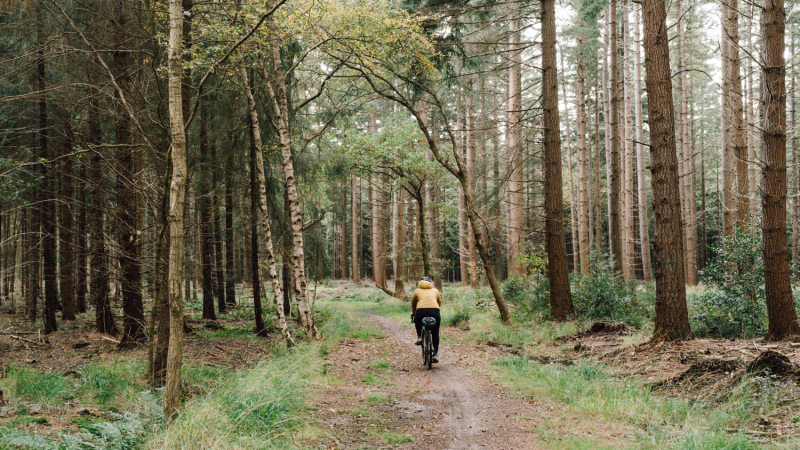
[{"x": 429, "y": 312}]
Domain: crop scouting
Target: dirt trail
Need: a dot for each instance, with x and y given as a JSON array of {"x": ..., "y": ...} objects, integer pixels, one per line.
[{"x": 450, "y": 407}]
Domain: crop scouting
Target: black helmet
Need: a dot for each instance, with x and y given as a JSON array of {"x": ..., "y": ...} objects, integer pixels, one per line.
[{"x": 426, "y": 279}]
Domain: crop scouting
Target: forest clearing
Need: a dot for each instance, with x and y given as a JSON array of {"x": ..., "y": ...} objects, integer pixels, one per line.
[{"x": 216, "y": 217}]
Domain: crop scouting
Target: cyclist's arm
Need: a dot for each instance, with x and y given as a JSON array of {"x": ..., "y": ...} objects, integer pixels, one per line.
[
  {"x": 439, "y": 299},
  {"x": 414, "y": 301}
]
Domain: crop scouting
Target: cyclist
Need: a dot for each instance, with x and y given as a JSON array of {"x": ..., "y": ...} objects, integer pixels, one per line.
[{"x": 426, "y": 302}]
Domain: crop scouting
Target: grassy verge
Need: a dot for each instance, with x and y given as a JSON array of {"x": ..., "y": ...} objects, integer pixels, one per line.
[
  {"x": 655, "y": 422},
  {"x": 263, "y": 406}
]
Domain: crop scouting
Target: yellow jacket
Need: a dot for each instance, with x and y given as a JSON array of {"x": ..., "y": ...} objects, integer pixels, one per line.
[{"x": 425, "y": 296}]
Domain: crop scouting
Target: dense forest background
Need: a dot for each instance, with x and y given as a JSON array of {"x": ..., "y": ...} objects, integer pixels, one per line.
[{"x": 155, "y": 153}]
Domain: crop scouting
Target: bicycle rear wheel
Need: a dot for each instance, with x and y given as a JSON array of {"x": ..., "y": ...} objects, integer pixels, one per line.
[
  {"x": 429, "y": 349},
  {"x": 424, "y": 346}
]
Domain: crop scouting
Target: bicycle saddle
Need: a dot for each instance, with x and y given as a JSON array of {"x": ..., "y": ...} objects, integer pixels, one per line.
[{"x": 428, "y": 321}]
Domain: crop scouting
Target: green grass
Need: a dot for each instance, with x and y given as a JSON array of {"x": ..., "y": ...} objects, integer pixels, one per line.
[
  {"x": 366, "y": 333},
  {"x": 377, "y": 398},
  {"x": 373, "y": 380},
  {"x": 359, "y": 411},
  {"x": 398, "y": 438},
  {"x": 258, "y": 408},
  {"x": 590, "y": 391},
  {"x": 112, "y": 383},
  {"x": 380, "y": 364},
  {"x": 44, "y": 389}
]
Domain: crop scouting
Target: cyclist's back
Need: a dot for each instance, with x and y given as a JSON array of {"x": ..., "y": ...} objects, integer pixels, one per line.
[{"x": 427, "y": 302}]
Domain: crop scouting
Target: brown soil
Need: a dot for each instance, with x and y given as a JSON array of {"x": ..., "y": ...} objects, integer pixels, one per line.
[
  {"x": 453, "y": 406},
  {"x": 708, "y": 369},
  {"x": 76, "y": 344}
]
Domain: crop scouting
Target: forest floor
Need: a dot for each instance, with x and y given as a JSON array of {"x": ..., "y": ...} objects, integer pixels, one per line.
[
  {"x": 541, "y": 385},
  {"x": 531, "y": 385}
]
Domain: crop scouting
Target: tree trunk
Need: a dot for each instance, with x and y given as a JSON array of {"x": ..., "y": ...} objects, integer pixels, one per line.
[
  {"x": 49, "y": 185},
  {"x": 258, "y": 196},
  {"x": 573, "y": 220},
  {"x": 584, "y": 175},
  {"x": 598, "y": 216},
  {"x": 133, "y": 332},
  {"x": 222, "y": 302},
  {"x": 734, "y": 101},
  {"x": 615, "y": 224},
  {"x": 99, "y": 263},
  {"x": 230, "y": 269},
  {"x": 728, "y": 195},
  {"x": 644, "y": 228},
  {"x": 68, "y": 237},
  {"x": 80, "y": 240},
  {"x": 177, "y": 195},
  {"x": 560, "y": 295},
  {"x": 795, "y": 175},
  {"x": 345, "y": 252},
  {"x": 672, "y": 318},
  {"x": 516, "y": 201},
  {"x": 469, "y": 114},
  {"x": 255, "y": 266},
  {"x": 607, "y": 122},
  {"x": 781, "y": 311},
  {"x": 627, "y": 159},
  {"x": 400, "y": 252},
  {"x": 157, "y": 369},
  {"x": 355, "y": 224},
  {"x": 277, "y": 90},
  {"x": 203, "y": 204}
]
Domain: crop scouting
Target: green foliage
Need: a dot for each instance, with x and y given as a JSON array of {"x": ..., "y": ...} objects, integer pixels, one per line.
[
  {"x": 665, "y": 422},
  {"x": 111, "y": 383},
  {"x": 45, "y": 389},
  {"x": 398, "y": 438},
  {"x": 377, "y": 398},
  {"x": 734, "y": 303},
  {"x": 603, "y": 294},
  {"x": 459, "y": 316},
  {"x": 373, "y": 380},
  {"x": 258, "y": 408},
  {"x": 126, "y": 432},
  {"x": 531, "y": 297}
]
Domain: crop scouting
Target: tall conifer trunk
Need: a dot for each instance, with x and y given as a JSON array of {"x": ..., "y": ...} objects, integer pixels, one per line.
[
  {"x": 133, "y": 332},
  {"x": 644, "y": 227},
  {"x": 584, "y": 175},
  {"x": 67, "y": 235},
  {"x": 355, "y": 224},
  {"x": 516, "y": 203},
  {"x": 781, "y": 311},
  {"x": 615, "y": 225},
  {"x": 672, "y": 317},
  {"x": 560, "y": 295}
]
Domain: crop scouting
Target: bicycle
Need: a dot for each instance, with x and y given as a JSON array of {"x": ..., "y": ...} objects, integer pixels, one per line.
[{"x": 427, "y": 341}]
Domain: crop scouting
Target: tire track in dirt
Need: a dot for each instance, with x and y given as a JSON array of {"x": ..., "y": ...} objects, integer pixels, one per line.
[{"x": 449, "y": 407}]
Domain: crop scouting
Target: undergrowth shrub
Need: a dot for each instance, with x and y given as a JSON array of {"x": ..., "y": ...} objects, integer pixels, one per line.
[
  {"x": 734, "y": 302},
  {"x": 603, "y": 294},
  {"x": 530, "y": 295},
  {"x": 459, "y": 316}
]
